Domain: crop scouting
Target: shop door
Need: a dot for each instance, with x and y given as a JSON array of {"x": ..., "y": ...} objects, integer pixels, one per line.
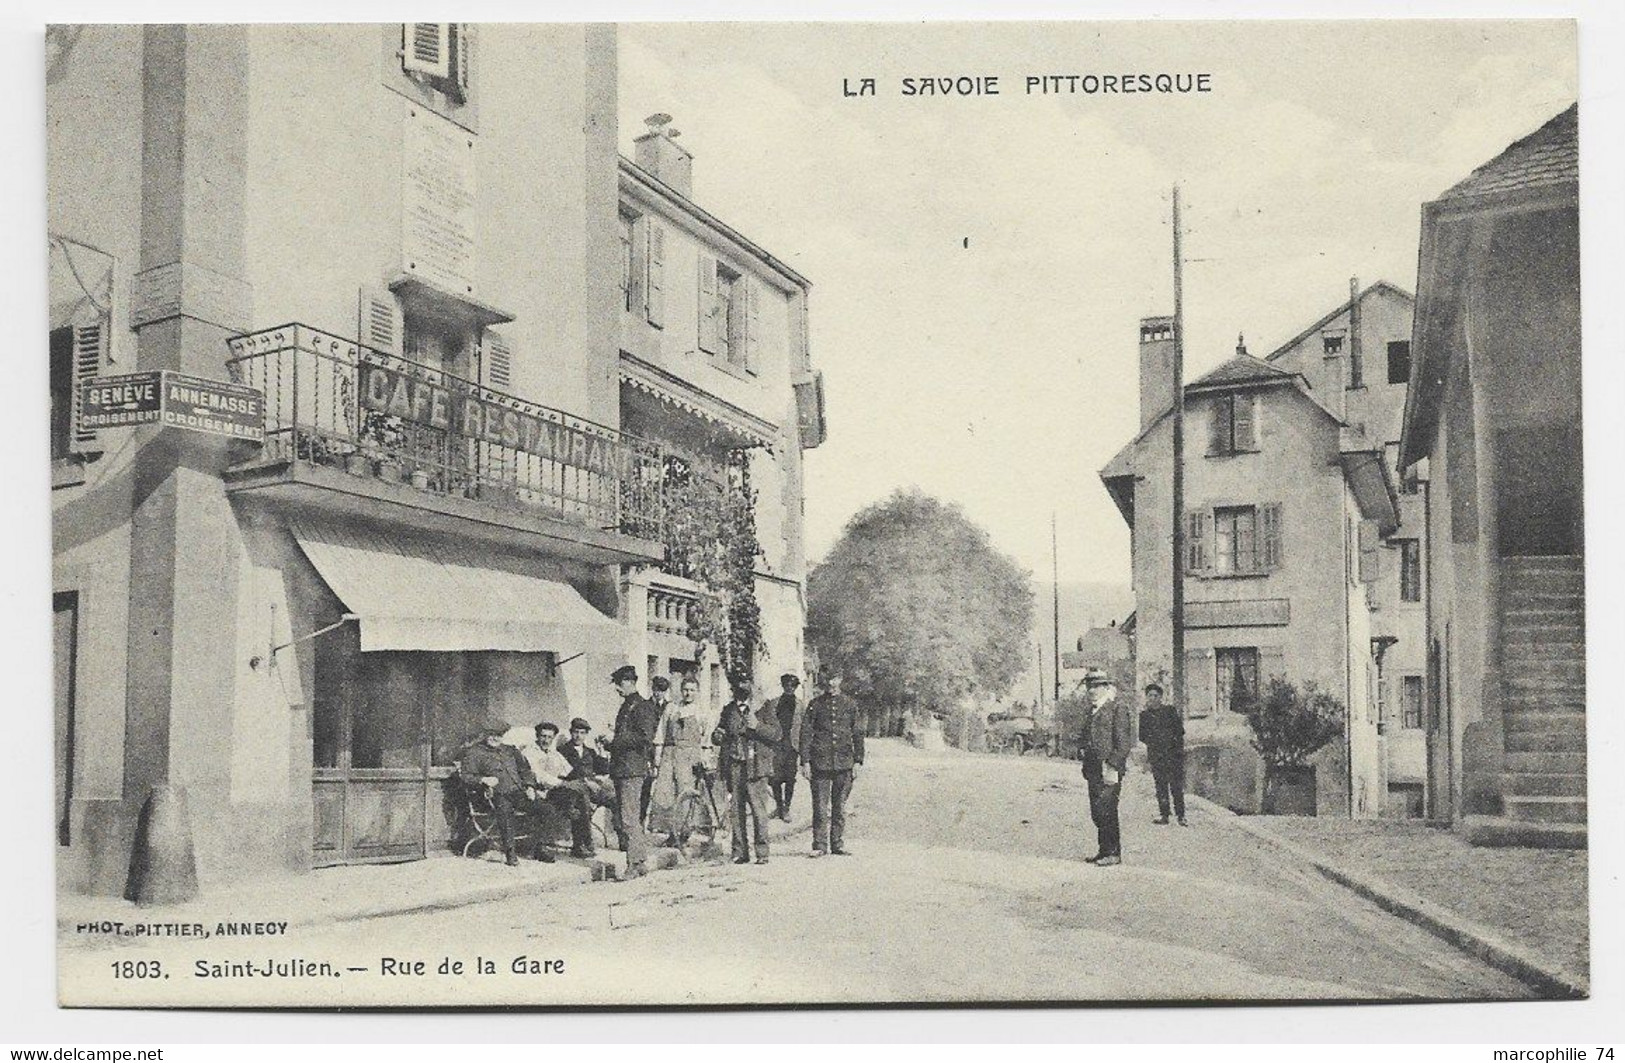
[{"x": 371, "y": 778}]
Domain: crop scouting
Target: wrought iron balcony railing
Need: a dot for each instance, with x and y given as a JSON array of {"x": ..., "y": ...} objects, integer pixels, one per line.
[{"x": 332, "y": 401}]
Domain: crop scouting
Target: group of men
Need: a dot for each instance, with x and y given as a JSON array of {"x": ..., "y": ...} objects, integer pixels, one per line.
[
  {"x": 759, "y": 753},
  {"x": 1104, "y": 745}
]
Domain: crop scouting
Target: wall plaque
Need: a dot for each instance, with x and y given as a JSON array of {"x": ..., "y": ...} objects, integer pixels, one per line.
[{"x": 437, "y": 202}]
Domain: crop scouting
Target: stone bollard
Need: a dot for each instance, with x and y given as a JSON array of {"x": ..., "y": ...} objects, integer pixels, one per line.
[{"x": 163, "y": 866}]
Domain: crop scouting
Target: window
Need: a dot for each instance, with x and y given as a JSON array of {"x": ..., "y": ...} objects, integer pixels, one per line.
[
  {"x": 1331, "y": 344},
  {"x": 1236, "y": 670},
  {"x": 1234, "y": 430},
  {"x": 1410, "y": 570},
  {"x": 1410, "y": 701},
  {"x": 727, "y": 314},
  {"x": 440, "y": 55},
  {"x": 1399, "y": 362},
  {"x": 628, "y": 261},
  {"x": 61, "y": 392},
  {"x": 1235, "y": 539}
]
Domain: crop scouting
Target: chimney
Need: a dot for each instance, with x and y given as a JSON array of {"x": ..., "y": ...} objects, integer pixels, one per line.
[
  {"x": 1156, "y": 367},
  {"x": 659, "y": 154},
  {"x": 1241, "y": 343}
]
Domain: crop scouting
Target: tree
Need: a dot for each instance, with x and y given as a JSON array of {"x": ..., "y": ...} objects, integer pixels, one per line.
[
  {"x": 918, "y": 610},
  {"x": 1289, "y": 724}
]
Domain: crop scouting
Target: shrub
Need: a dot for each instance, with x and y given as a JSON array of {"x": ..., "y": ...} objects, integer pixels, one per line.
[{"x": 1290, "y": 724}]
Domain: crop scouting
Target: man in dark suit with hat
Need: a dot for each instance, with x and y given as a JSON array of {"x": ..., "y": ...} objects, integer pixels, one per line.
[
  {"x": 588, "y": 775},
  {"x": 787, "y": 712},
  {"x": 506, "y": 776},
  {"x": 745, "y": 747},
  {"x": 1104, "y": 746},
  {"x": 631, "y": 757},
  {"x": 831, "y": 749}
]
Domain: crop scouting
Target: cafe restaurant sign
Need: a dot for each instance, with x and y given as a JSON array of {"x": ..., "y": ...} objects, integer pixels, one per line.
[
  {"x": 475, "y": 416},
  {"x": 175, "y": 400}
]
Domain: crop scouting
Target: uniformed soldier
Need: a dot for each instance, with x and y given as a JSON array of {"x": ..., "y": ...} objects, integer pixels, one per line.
[
  {"x": 831, "y": 750},
  {"x": 1104, "y": 745},
  {"x": 745, "y": 748},
  {"x": 631, "y": 756}
]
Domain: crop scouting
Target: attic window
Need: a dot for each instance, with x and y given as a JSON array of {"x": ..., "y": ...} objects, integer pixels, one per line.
[
  {"x": 1332, "y": 343},
  {"x": 440, "y": 55}
]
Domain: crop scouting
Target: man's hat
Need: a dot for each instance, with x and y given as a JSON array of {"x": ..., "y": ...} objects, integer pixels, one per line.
[
  {"x": 1149, "y": 687},
  {"x": 623, "y": 673},
  {"x": 578, "y": 724},
  {"x": 1094, "y": 677},
  {"x": 741, "y": 685},
  {"x": 791, "y": 678},
  {"x": 660, "y": 682},
  {"x": 494, "y": 727}
]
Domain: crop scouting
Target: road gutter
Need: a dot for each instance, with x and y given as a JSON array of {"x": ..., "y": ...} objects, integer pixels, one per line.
[{"x": 1475, "y": 940}]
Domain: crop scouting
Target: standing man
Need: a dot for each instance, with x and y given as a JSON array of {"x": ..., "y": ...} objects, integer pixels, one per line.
[
  {"x": 787, "y": 712},
  {"x": 1108, "y": 736},
  {"x": 660, "y": 694},
  {"x": 831, "y": 749},
  {"x": 1163, "y": 732},
  {"x": 631, "y": 757},
  {"x": 745, "y": 754}
]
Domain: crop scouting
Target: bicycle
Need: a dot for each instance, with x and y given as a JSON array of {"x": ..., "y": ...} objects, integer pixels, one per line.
[{"x": 699, "y": 810}]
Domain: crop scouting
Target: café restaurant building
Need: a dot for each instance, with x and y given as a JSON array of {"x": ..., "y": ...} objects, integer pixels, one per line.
[{"x": 407, "y": 241}]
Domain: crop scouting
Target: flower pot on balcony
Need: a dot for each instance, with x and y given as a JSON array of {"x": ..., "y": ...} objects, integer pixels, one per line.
[
  {"x": 420, "y": 479},
  {"x": 391, "y": 471},
  {"x": 358, "y": 464}
]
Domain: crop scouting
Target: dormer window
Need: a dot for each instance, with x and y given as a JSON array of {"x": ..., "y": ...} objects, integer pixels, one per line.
[
  {"x": 440, "y": 54},
  {"x": 1331, "y": 344}
]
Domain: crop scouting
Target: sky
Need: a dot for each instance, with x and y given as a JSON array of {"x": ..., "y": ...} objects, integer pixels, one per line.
[{"x": 980, "y": 264}]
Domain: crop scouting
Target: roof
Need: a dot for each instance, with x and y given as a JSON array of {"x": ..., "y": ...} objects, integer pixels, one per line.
[
  {"x": 1548, "y": 156},
  {"x": 1341, "y": 308},
  {"x": 1241, "y": 369}
]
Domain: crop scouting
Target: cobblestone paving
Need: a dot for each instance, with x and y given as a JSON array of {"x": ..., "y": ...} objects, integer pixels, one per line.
[{"x": 1535, "y": 897}]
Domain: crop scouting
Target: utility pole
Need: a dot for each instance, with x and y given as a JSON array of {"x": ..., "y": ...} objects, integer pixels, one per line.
[
  {"x": 1177, "y": 611},
  {"x": 1055, "y": 587},
  {"x": 1038, "y": 654}
]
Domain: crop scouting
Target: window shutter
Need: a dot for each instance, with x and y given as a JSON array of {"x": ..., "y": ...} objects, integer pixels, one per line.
[
  {"x": 426, "y": 48},
  {"x": 379, "y": 324},
  {"x": 1199, "y": 524},
  {"x": 1269, "y": 524},
  {"x": 1370, "y": 559},
  {"x": 496, "y": 362},
  {"x": 1220, "y": 427},
  {"x": 1246, "y": 412},
  {"x": 1271, "y": 663},
  {"x": 753, "y": 323},
  {"x": 1199, "y": 700},
  {"x": 654, "y": 289},
  {"x": 707, "y": 302},
  {"x": 464, "y": 36},
  {"x": 89, "y": 357}
]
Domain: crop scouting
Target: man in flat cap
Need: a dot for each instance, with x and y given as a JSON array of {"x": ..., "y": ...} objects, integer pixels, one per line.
[
  {"x": 589, "y": 775},
  {"x": 1163, "y": 732},
  {"x": 631, "y": 757},
  {"x": 1104, "y": 745},
  {"x": 660, "y": 695},
  {"x": 787, "y": 711},
  {"x": 506, "y": 776}
]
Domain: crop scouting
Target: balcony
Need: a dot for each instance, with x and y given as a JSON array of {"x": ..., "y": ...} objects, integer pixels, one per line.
[{"x": 345, "y": 419}]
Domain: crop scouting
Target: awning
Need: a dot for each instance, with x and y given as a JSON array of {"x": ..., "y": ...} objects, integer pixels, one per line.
[{"x": 411, "y": 594}]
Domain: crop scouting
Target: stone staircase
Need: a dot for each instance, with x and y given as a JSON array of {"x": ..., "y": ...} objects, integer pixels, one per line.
[{"x": 1543, "y": 782}]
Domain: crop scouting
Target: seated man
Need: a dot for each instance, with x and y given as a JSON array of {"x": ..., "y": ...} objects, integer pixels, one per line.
[
  {"x": 570, "y": 798},
  {"x": 587, "y": 776},
  {"x": 508, "y": 781}
]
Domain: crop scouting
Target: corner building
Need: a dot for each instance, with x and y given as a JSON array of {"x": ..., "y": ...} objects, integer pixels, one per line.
[{"x": 409, "y": 238}]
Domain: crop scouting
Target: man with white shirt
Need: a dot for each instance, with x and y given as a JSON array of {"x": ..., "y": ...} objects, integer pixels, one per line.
[
  {"x": 553, "y": 770},
  {"x": 1104, "y": 745}
]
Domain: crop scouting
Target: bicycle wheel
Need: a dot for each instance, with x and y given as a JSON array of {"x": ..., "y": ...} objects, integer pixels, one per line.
[{"x": 687, "y": 816}]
